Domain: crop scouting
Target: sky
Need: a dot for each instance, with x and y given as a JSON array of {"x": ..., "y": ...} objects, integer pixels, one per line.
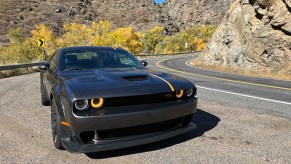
[{"x": 159, "y": 1}]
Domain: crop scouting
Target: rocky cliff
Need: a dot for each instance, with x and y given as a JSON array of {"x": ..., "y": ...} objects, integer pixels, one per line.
[
  {"x": 179, "y": 14},
  {"x": 142, "y": 15},
  {"x": 253, "y": 34}
]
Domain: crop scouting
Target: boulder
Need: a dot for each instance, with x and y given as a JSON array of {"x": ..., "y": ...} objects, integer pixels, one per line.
[
  {"x": 287, "y": 28},
  {"x": 252, "y": 35}
]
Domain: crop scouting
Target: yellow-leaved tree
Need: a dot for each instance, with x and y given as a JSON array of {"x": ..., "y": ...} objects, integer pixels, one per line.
[
  {"x": 101, "y": 32},
  {"x": 126, "y": 38},
  {"x": 200, "y": 35},
  {"x": 20, "y": 50},
  {"x": 76, "y": 35},
  {"x": 50, "y": 45},
  {"x": 200, "y": 44}
]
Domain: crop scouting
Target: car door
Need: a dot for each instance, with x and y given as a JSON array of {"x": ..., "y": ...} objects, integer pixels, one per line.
[{"x": 51, "y": 76}]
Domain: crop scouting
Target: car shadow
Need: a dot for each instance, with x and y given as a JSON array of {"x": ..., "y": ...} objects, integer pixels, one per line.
[{"x": 205, "y": 121}]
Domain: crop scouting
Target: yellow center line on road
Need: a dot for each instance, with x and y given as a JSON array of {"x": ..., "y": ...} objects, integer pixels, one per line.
[{"x": 158, "y": 64}]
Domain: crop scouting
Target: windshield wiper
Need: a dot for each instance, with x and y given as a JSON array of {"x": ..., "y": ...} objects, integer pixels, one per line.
[{"x": 76, "y": 68}]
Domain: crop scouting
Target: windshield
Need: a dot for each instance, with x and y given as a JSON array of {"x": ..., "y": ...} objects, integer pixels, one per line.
[{"x": 97, "y": 59}]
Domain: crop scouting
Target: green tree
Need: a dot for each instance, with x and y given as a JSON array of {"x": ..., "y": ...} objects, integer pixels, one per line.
[
  {"x": 152, "y": 38},
  {"x": 195, "y": 36}
]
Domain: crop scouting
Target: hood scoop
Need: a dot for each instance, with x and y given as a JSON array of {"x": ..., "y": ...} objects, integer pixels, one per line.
[{"x": 136, "y": 77}]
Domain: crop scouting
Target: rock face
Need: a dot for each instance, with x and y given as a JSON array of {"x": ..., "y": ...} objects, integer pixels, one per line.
[
  {"x": 179, "y": 14},
  {"x": 253, "y": 34},
  {"x": 142, "y": 15}
]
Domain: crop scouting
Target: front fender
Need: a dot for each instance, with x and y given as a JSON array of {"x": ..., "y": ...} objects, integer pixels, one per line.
[
  {"x": 56, "y": 94},
  {"x": 63, "y": 104}
]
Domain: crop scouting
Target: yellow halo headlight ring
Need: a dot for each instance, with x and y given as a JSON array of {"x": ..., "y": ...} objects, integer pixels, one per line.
[
  {"x": 97, "y": 103},
  {"x": 180, "y": 93}
]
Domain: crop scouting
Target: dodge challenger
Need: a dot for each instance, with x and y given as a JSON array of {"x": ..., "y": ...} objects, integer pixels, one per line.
[{"x": 103, "y": 98}]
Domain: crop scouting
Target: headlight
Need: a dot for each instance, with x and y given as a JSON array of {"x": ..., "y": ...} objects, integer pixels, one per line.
[
  {"x": 179, "y": 93},
  {"x": 97, "y": 103},
  {"x": 189, "y": 92},
  {"x": 81, "y": 104}
]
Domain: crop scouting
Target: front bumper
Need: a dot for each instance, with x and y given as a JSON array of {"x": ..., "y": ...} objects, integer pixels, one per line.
[
  {"x": 72, "y": 146},
  {"x": 124, "y": 117}
]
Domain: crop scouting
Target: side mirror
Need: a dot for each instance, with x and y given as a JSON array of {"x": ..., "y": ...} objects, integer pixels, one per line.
[
  {"x": 43, "y": 66},
  {"x": 144, "y": 63}
]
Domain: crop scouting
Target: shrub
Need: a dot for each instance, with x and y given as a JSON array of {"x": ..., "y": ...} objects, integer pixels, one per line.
[{"x": 23, "y": 50}]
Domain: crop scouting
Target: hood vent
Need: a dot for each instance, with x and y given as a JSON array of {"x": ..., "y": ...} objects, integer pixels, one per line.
[{"x": 136, "y": 77}]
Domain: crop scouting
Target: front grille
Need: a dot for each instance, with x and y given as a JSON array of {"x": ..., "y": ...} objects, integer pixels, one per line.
[
  {"x": 110, "y": 103},
  {"x": 136, "y": 100},
  {"x": 139, "y": 130}
]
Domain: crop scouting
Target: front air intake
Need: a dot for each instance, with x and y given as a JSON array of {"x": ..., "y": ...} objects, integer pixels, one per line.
[{"x": 136, "y": 77}]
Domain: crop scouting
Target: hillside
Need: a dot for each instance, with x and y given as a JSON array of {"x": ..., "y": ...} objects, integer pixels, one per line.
[
  {"x": 179, "y": 14},
  {"x": 53, "y": 13},
  {"x": 142, "y": 15},
  {"x": 254, "y": 34}
]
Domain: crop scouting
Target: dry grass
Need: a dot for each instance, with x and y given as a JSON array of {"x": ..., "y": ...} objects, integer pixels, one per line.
[
  {"x": 17, "y": 72},
  {"x": 283, "y": 74}
]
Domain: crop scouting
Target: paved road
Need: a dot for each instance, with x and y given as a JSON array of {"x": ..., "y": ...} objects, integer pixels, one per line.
[
  {"x": 257, "y": 94},
  {"x": 231, "y": 128}
]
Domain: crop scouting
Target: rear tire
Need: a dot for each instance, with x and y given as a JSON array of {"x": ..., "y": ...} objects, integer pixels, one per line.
[
  {"x": 44, "y": 98},
  {"x": 57, "y": 131}
]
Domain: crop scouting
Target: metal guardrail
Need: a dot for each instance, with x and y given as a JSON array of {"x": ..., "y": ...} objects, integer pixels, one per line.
[
  {"x": 172, "y": 54},
  {"x": 17, "y": 66}
]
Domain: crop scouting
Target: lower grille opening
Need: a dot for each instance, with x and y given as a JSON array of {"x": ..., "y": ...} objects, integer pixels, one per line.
[
  {"x": 87, "y": 136},
  {"x": 142, "y": 99},
  {"x": 139, "y": 130}
]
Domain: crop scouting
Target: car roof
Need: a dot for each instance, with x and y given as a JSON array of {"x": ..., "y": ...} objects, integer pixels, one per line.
[{"x": 92, "y": 48}]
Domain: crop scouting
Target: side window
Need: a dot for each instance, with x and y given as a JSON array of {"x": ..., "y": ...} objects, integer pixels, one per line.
[
  {"x": 53, "y": 61},
  {"x": 126, "y": 60}
]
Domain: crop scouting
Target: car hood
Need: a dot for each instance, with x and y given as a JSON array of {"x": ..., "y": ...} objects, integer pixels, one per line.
[{"x": 121, "y": 82}]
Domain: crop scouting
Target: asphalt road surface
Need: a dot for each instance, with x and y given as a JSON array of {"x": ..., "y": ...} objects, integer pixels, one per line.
[
  {"x": 258, "y": 94},
  {"x": 240, "y": 120}
]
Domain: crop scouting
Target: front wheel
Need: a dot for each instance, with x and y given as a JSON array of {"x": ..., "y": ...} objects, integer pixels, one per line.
[
  {"x": 57, "y": 130},
  {"x": 44, "y": 98}
]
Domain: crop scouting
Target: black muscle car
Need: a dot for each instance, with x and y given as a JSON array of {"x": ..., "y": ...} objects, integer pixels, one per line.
[{"x": 103, "y": 98}]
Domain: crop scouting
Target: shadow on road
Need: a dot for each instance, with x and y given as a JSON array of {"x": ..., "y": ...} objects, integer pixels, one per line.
[{"x": 204, "y": 120}]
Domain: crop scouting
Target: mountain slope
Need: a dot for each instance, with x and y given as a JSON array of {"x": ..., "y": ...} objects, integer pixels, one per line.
[
  {"x": 53, "y": 13},
  {"x": 142, "y": 15}
]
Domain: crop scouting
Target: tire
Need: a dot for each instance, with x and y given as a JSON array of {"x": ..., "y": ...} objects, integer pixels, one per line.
[
  {"x": 44, "y": 98},
  {"x": 187, "y": 119},
  {"x": 57, "y": 131}
]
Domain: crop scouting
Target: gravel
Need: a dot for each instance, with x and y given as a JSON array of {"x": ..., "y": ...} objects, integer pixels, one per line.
[{"x": 225, "y": 134}]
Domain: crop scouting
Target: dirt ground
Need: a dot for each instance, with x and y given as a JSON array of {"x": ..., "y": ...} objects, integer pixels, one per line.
[{"x": 225, "y": 134}]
